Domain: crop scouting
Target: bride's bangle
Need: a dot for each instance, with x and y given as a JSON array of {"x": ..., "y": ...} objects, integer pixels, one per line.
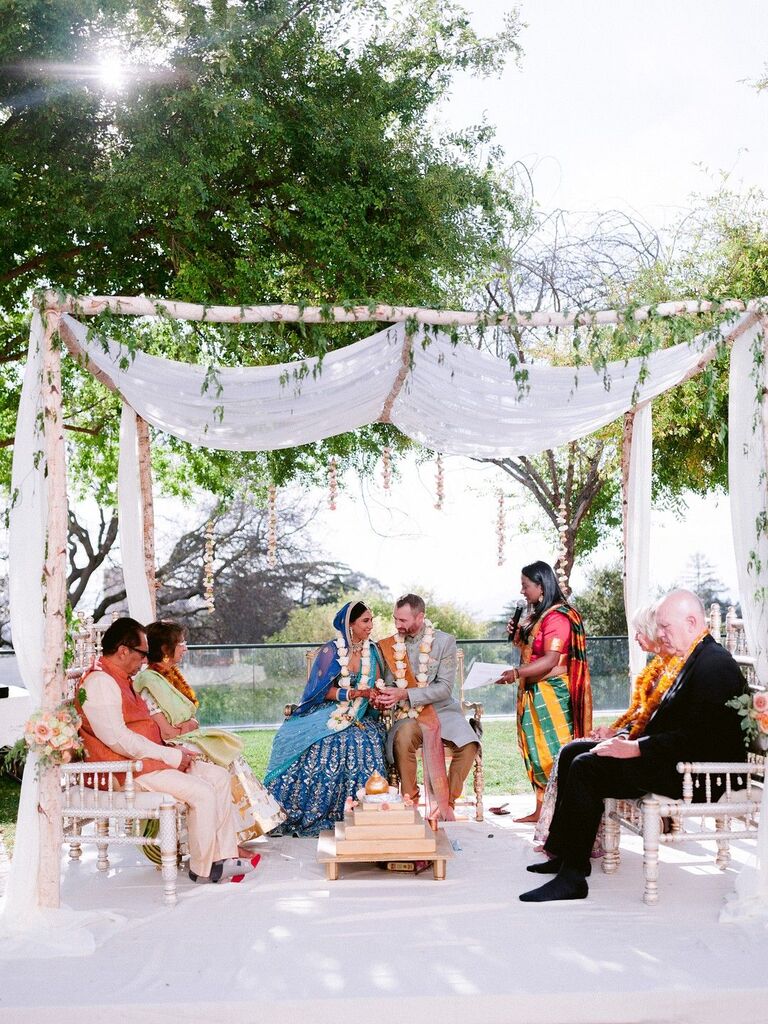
[{"x": 339, "y": 693}]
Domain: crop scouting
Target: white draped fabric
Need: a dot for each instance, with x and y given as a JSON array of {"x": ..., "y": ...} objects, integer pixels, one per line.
[
  {"x": 455, "y": 399},
  {"x": 748, "y": 490},
  {"x": 638, "y": 528},
  {"x": 28, "y": 520},
  {"x": 131, "y": 520},
  {"x": 26, "y": 930},
  {"x": 749, "y": 503}
]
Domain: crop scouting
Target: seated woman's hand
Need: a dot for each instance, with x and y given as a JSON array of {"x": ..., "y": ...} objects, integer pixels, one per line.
[{"x": 602, "y": 732}]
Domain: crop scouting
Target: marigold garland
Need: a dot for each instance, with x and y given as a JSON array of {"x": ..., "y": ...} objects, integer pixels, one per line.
[
  {"x": 272, "y": 526},
  {"x": 649, "y": 699},
  {"x": 208, "y": 567},
  {"x": 386, "y": 469},
  {"x": 562, "y": 554},
  {"x": 175, "y": 678},
  {"x": 333, "y": 486},
  {"x": 500, "y": 528},
  {"x": 440, "y": 483}
]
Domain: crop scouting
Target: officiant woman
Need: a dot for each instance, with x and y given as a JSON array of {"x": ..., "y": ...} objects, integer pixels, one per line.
[
  {"x": 554, "y": 697},
  {"x": 334, "y": 740}
]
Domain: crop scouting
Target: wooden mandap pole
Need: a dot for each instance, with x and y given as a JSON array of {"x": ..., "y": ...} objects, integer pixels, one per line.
[
  {"x": 55, "y": 587},
  {"x": 148, "y": 508}
]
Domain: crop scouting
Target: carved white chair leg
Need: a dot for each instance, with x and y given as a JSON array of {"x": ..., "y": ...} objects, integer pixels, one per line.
[
  {"x": 168, "y": 852},
  {"x": 723, "y": 858},
  {"x": 478, "y": 781},
  {"x": 611, "y": 857},
  {"x": 182, "y": 834},
  {"x": 651, "y": 831},
  {"x": 102, "y": 829},
  {"x": 75, "y": 847}
]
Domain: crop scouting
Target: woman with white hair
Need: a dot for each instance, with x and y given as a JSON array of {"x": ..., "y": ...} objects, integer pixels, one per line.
[{"x": 647, "y": 692}]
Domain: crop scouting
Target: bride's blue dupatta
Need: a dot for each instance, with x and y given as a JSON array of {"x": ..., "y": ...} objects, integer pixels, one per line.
[{"x": 308, "y": 723}]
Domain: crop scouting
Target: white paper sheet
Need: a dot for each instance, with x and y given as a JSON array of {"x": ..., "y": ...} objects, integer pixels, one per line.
[{"x": 482, "y": 673}]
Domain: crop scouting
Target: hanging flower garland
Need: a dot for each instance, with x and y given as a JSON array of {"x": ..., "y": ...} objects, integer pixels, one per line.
[
  {"x": 500, "y": 527},
  {"x": 404, "y": 709},
  {"x": 333, "y": 486},
  {"x": 440, "y": 483},
  {"x": 208, "y": 568},
  {"x": 562, "y": 554},
  {"x": 272, "y": 526},
  {"x": 386, "y": 469},
  {"x": 345, "y": 711}
]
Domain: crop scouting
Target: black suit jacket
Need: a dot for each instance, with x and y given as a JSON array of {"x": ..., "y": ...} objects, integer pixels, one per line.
[{"x": 692, "y": 723}]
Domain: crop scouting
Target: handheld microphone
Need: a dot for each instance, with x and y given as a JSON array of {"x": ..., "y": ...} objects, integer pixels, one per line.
[{"x": 512, "y": 629}]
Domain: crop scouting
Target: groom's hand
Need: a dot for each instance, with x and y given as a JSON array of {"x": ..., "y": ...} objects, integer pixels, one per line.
[{"x": 391, "y": 695}]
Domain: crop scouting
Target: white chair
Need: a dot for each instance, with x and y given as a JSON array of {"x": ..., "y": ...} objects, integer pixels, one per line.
[
  {"x": 733, "y": 816},
  {"x": 114, "y": 815}
]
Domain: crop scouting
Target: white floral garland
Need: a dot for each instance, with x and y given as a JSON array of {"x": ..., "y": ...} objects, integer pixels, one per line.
[
  {"x": 346, "y": 710},
  {"x": 404, "y": 709}
]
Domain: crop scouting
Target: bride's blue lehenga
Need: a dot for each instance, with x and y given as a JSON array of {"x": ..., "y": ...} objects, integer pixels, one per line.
[{"x": 319, "y": 759}]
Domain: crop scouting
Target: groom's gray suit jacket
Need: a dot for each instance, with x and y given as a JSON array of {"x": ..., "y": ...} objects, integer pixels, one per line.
[{"x": 438, "y": 691}]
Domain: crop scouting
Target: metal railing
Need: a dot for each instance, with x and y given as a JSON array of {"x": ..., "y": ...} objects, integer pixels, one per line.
[{"x": 248, "y": 685}]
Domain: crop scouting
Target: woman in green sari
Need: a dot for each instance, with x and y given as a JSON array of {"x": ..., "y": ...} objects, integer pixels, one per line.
[{"x": 173, "y": 705}]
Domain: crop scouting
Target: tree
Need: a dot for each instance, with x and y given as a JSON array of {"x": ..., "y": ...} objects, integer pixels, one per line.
[
  {"x": 601, "y": 602},
  {"x": 251, "y": 599},
  {"x": 314, "y": 623},
  {"x": 273, "y": 150},
  {"x": 554, "y": 262},
  {"x": 700, "y": 577}
]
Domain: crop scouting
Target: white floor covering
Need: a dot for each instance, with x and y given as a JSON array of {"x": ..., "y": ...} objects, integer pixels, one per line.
[{"x": 377, "y": 947}]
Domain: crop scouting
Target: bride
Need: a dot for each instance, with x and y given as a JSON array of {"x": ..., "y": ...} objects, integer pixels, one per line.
[{"x": 333, "y": 741}]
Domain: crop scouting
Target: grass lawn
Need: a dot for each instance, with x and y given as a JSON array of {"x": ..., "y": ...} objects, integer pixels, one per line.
[{"x": 504, "y": 771}]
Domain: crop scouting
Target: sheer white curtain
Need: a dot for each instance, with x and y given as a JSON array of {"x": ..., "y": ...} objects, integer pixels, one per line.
[
  {"x": 28, "y": 517},
  {"x": 25, "y": 930},
  {"x": 747, "y": 466},
  {"x": 638, "y": 528},
  {"x": 456, "y": 399}
]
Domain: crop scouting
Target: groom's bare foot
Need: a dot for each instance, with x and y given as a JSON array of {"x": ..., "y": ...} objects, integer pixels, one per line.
[{"x": 532, "y": 817}]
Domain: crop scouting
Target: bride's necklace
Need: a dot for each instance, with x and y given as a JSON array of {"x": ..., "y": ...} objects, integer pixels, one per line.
[{"x": 365, "y": 660}]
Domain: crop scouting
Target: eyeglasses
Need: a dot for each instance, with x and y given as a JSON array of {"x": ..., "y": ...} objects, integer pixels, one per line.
[{"x": 138, "y": 650}]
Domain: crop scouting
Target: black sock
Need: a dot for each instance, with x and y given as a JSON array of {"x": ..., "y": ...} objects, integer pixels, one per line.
[
  {"x": 551, "y": 867},
  {"x": 568, "y": 884}
]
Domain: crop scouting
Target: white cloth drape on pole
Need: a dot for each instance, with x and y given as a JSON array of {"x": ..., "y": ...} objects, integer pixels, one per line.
[
  {"x": 131, "y": 521},
  {"x": 456, "y": 399},
  {"x": 28, "y": 518},
  {"x": 749, "y": 504},
  {"x": 26, "y": 930},
  {"x": 638, "y": 528}
]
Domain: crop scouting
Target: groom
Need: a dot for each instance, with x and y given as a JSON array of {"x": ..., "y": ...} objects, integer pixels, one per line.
[{"x": 420, "y": 674}]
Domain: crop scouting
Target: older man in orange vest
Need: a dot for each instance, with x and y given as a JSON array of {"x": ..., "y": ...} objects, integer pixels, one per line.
[{"x": 116, "y": 724}]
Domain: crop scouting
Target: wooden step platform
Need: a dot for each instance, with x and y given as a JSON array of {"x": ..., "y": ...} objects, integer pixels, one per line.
[{"x": 374, "y": 832}]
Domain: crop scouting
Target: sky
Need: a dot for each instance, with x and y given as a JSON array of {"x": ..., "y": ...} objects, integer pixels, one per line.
[{"x": 633, "y": 106}]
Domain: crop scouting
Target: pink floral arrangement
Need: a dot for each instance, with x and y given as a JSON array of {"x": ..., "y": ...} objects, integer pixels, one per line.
[
  {"x": 753, "y": 709},
  {"x": 53, "y": 735}
]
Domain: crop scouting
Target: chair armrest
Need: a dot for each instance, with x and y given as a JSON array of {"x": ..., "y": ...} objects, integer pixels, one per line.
[
  {"x": 474, "y": 706},
  {"x": 726, "y": 769}
]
